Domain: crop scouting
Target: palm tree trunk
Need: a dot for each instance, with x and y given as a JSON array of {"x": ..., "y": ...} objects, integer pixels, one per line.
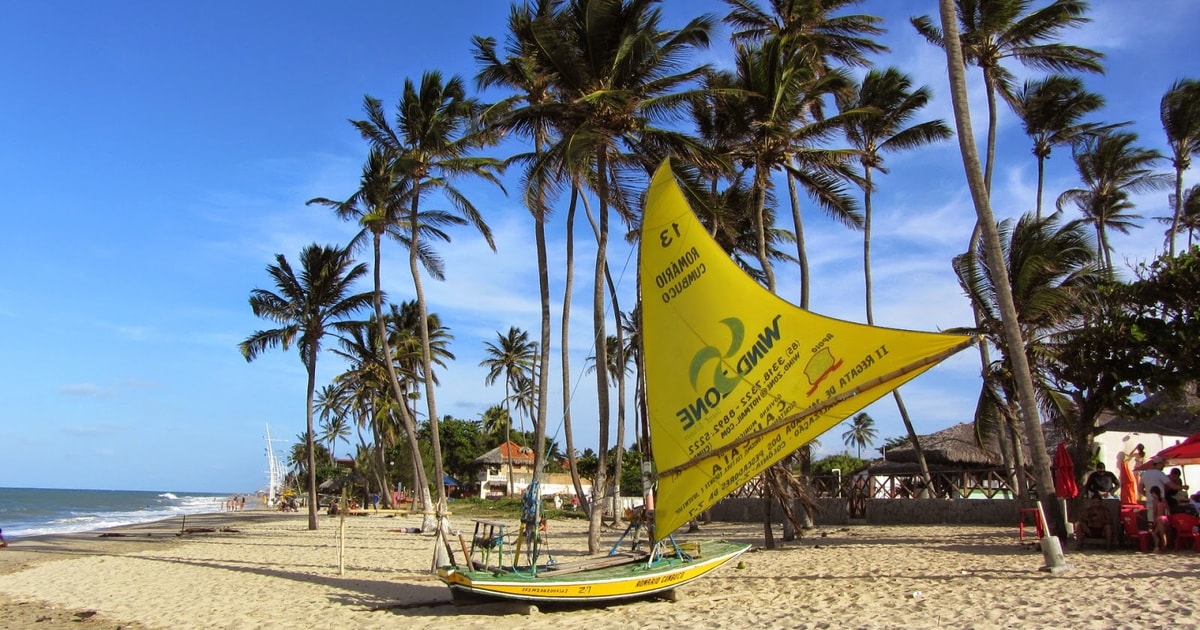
[
  {"x": 543, "y": 376},
  {"x": 908, "y": 426},
  {"x": 768, "y": 503},
  {"x": 410, "y": 428},
  {"x": 1102, "y": 243},
  {"x": 916, "y": 443},
  {"x": 867, "y": 244},
  {"x": 569, "y": 284},
  {"x": 761, "y": 175},
  {"x": 805, "y": 452},
  {"x": 1006, "y": 454},
  {"x": 620, "y": 442},
  {"x": 508, "y": 437},
  {"x": 989, "y": 84},
  {"x": 426, "y": 362},
  {"x": 308, "y": 441},
  {"x": 601, "y": 342},
  {"x": 1018, "y": 454},
  {"x": 1008, "y": 311},
  {"x": 381, "y": 469},
  {"x": 801, "y": 252},
  {"x": 1041, "y": 184},
  {"x": 1178, "y": 210}
]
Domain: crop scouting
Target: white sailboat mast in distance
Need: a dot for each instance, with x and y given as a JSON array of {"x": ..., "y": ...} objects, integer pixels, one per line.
[{"x": 274, "y": 471}]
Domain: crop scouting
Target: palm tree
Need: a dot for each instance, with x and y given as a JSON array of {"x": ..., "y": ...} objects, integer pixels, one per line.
[
  {"x": 890, "y": 95},
  {"x": 780, "y": 93},
  {"x": 1051, "y": 109},
  {"x": 496, "y": 423},
  {"x": 807, "y": 37},
  {"x": 1013, "y": 340},
  {"x": 995, "y": 30},
  {"x": 332, "y": 408},
  {"x": 522, "y": 71},
  {"x": 404, "y": 334},
  {"x": 1186, "y": 220},
  {"x": 298, "y": 456},
  {"x": 810, "y": 30},
  {"x": 861, "y": 432},
  {"x": 1053, "y": 272},
  {"x": 1179, "y": 111},
  {"x": 992, "y": 30},
  {"x": 786, "y": 79},
  {"x": 379, "y": 206},
  {"x": 373, "y": 400},
  {"x": 615, "y": 75},
  {"x": 307, "y": 307},
  {"x": 512, "y": 356},
  {"x": 1111, "y": 168},
  {"x": 620, "y": 356},
  {"x": 436, "y": 131}
]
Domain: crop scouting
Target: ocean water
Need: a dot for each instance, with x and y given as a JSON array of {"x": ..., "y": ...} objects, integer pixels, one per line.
[{"x": 38, "y": 511}]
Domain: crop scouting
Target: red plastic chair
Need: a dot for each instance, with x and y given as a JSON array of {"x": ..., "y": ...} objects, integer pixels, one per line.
[
  {"x": 1129, "y": 523},
  {"x": 1183, "y": 525}
]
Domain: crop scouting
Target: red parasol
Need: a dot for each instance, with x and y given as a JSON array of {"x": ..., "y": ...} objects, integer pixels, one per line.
[
  {"x": 1186, "y": 452},
  {"x": 1064, "y": 474}
]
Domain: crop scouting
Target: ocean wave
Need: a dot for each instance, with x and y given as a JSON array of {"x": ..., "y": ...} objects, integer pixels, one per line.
[{"x": 42, "y": 512}]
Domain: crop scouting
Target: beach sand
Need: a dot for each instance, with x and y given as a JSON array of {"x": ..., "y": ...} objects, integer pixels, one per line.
[{"x": 272, "y": 572}]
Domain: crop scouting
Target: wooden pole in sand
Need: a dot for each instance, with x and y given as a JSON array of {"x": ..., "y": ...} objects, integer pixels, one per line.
[{"x": 342, "y": 534}]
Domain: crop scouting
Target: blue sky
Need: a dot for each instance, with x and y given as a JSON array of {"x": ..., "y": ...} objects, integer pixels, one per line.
[{"x": 155, "y": 156}]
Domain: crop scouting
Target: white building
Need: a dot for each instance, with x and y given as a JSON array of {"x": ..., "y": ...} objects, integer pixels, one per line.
[{"x": 1168, "y": 423}]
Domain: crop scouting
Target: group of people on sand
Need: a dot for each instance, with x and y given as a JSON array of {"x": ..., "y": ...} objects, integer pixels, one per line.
[
  {"x": 1163, "y": 494},
  {"x": 235, "y": 503}
]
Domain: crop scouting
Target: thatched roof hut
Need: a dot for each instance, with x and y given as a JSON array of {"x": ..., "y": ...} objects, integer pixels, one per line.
[{"x": 956, "y": 446}]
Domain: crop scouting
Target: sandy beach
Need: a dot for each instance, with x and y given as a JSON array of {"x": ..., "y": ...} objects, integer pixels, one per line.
[{"x": 267, "y": 570}]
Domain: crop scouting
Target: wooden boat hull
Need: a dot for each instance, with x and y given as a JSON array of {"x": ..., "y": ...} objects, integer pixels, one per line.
[{"x": 627, "y": 581}]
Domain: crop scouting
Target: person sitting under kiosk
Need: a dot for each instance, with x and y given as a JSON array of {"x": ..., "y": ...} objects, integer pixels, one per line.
[
  {"x": 1101, "y": 482},
  {"x": 1095, "y": 522},
  {"x": 1177, "y": 498}
]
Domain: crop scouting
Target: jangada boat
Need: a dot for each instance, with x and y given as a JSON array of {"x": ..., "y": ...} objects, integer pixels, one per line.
[{"x": 736, "y": 379}]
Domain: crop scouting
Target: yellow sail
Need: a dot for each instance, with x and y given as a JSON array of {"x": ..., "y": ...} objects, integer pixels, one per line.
[{"x": 736, "y": 377}]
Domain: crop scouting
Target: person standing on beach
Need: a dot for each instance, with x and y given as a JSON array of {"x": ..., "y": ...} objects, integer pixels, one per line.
[
  {"x": 1154, "y": 477},
  {"x": 3, "y": 543},
  {"x": 1138, "y": 455},
  {"x": 1156, "y": 513}
]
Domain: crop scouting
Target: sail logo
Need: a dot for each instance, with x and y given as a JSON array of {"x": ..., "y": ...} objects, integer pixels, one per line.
[{"x": 718, "y": 365}]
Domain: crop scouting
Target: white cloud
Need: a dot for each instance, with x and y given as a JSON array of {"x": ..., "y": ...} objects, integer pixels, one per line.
[{"x": 87, "y": 390}]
